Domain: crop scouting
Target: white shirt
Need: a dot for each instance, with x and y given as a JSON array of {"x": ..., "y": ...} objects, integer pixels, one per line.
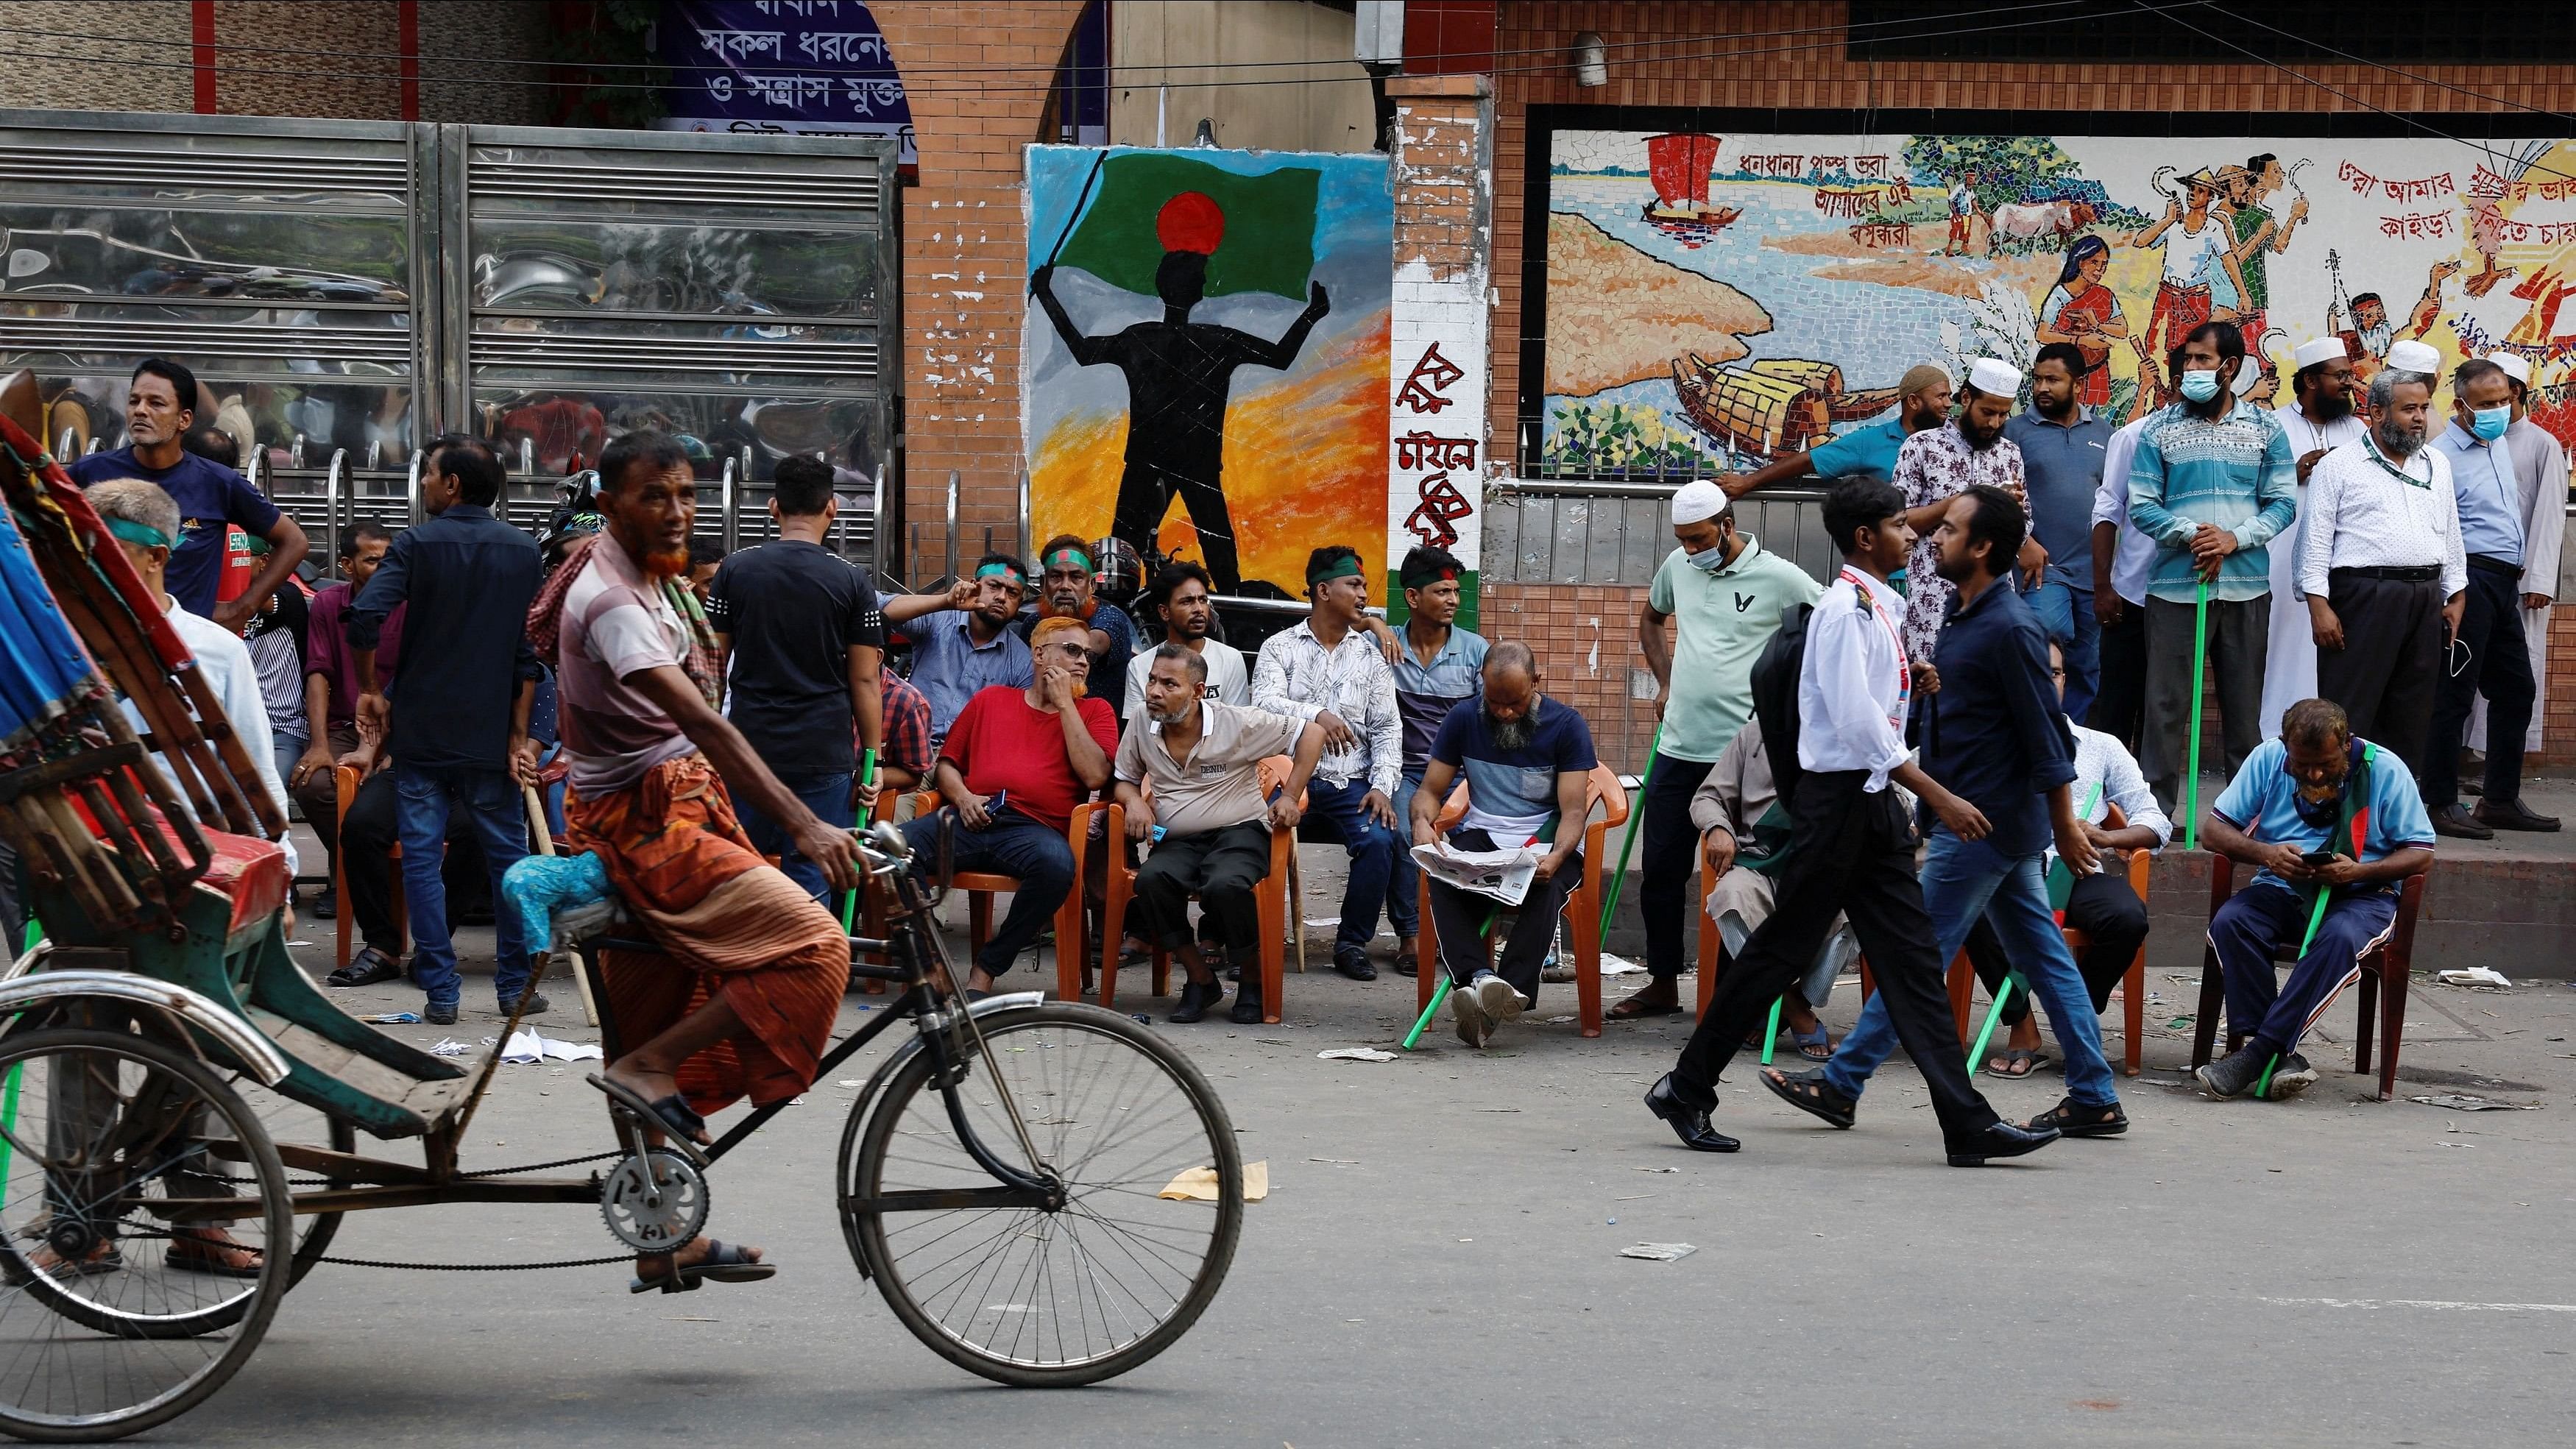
[
  {"x": 2359, "y": 516},
  {"x": 1298, "y": 677},
  {"x": 2191, "y": 257},
  {"x": 2306, "y": 436},
  {"x": 1855, "y": 682},
  {"x": 2135, "y": 557},
  {"x": 1229, "y": 682},
  {"x": 225, "y": 662},
  {"x": 2102, "y": 760}
]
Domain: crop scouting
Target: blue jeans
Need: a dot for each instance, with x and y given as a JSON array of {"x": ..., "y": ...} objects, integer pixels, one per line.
[
  {"x": 1374, "y": 850},
  {"x": 828, "y": 796},
  {"x": 422, "y": 798},
  {"x": 1403, "y": 881},
  {"x": 1034, "y": 854},
  {"x": 2066, "y": 614},
  {"x": 1965, "y": 879}
]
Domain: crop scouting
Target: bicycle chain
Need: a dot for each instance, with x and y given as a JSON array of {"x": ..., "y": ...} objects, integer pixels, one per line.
[{"x": 480, "y": 1267}]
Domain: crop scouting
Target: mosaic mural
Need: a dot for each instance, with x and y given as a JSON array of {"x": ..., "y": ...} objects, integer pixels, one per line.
[
  {"x": 1715, "y": 301},
  {"x": 1205, "y": 355}
]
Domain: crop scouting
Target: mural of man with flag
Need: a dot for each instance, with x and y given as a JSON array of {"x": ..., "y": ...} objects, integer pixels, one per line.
[
  {"x": 1212, "y": 241},
  {"x": 1179, "y": 371}
]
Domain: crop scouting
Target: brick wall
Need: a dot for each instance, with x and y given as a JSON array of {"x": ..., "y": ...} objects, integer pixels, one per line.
[
  {"x": 50, "y": 63},
  {"x": 1664, "y": 53},
  {"x": 1585, "y": 636},
  {"x": 965, "y": 248}
]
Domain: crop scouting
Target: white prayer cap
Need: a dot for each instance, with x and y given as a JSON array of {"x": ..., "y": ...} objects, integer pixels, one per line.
[
  {"x": 2413, "y": 356},
  {"x": 2323, "y": 349},
  {"x": 2249, "y": 371},
  {"x": 2514, "y": 366},
  {"x": 1698, "y": 501},
  {"x": 1994, "y": 377}
]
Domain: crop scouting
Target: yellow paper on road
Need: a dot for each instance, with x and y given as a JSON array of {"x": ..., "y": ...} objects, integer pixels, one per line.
[{"x": 1199, "y": 1184}]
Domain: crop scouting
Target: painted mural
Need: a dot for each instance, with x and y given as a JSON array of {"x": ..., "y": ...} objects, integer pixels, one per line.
[
  {"x": 1716, "y": 301},
  {"x": 1205, "y": 355}
]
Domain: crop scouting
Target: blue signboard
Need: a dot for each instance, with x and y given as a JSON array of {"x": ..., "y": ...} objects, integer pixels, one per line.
[{"x": 781, "y": 66}]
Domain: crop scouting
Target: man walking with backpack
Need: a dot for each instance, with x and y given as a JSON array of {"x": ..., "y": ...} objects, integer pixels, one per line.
[{"x": 1838, "y": 739}]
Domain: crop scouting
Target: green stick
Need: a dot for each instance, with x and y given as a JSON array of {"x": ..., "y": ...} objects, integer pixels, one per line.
[
  {"x": 1771, "y": 1034},
  {"x": 858, "y": 821},
  {"x": 9, "y": 1098},
  {"x": 2199, "y": 664},
  {"x": 1628, "y": 842},
  {"x": 1994, "y": 1014},
  {"x": 1438, "y": 994},
  {"x": 2316, "y": 918},
  {"x": 1547, "y": 835}
]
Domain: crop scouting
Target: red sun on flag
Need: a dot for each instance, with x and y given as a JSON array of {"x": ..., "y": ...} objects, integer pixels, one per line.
[{"x": 1190, "y": 222}]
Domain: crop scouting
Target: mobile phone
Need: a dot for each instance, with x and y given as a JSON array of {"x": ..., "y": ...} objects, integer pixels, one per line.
[{"x": 2317, "y": 859}]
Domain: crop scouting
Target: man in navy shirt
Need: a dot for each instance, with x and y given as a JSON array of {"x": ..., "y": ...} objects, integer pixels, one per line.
[
  {"x": 459, "y": 716},
  {"x": 1992, "y": 735},
  {"x": 1527, "y": 759},
  {"x": 160, "y": 407}
]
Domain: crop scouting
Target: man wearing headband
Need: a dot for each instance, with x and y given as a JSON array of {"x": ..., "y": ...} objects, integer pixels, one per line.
[
  {"x": 1935, "y": 466},
  {"x": 962, "y": 640},
  {"x": 1439, "y": 667},
  {"x": 1328, "y": 669},
  {"x": 1722, "y": 593},
  {"x": 801, "y": 642},
  {"x": 1016, "y": 762},
  {"x": 1067, "y": 583},
  {"x": 160, "y": 406},
  {"x": 1922, "y": 402}
]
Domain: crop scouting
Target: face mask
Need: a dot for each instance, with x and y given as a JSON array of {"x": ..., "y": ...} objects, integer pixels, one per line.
[
  {"x": 2200, "y": 387},
  {"x": 1708, "y": 560},
  {"x": 2491, "y": 422}
]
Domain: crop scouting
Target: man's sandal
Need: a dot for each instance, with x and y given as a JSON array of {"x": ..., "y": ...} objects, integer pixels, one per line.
[
  {"x": 672, "y": 1116},
  {"x": 1810, "y": 1093},
  {"x": 1638, "y": 1008},
  {"x": 2015, "y": 1062},
  {"x": 724, "y": 1263},
  {"x": 1815, "y": 1046}
]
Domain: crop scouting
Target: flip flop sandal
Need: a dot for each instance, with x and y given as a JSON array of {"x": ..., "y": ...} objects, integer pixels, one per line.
[
  {"x": 17, "y": 1268},
  {"x": 1816, "y": 1046},
  {"x": 209, "y": 1258},
  {"x": 724, "y": 1263},
  {"x": 1634, "y": 1010},
  {"x": 672, "y": 1116},
  {"x": 2003, "y": 1063}
]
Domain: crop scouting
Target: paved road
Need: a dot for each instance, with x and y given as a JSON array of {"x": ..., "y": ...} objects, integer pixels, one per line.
[{"x": 1437, "y": 1266}]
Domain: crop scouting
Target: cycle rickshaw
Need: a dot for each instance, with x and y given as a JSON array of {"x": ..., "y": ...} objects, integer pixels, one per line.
[{"x": 180, "y": 1107}]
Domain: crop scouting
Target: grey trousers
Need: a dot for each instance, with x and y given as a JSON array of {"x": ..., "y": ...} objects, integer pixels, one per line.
[{"x": 2239, "y": 638}]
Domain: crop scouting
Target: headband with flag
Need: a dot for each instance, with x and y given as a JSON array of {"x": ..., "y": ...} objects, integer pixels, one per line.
[
  {"x": 1068, "y": 555},
  {"x": 1340, "y": 564},
  {"x": 141, "y": 534},
  {"x": 1000, "y": 570}
]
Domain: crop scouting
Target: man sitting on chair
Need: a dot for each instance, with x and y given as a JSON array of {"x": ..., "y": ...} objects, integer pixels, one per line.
[
  {"x": 1210, "y": 825},
  {"x": 1744, "y": 834},
  {"x": 1013, "y": 767},
  {"x": 1528, "y": 760},
  {"x": 2101, "y": 905},
  {"x": 2317, "y": 810}
]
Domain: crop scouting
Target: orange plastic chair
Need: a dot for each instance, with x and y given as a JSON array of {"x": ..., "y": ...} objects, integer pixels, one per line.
[
  {"x": 344, "y": 788},
  {"x": 1606, "y": 811},
  {"x": 1270, "y": 900},
  {"x": 980, "y": 887}
]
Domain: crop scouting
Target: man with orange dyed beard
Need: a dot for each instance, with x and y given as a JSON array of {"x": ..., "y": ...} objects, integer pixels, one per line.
[
  {"x": 1013, "y": 767},
  {"x": 741, "y": 998}
]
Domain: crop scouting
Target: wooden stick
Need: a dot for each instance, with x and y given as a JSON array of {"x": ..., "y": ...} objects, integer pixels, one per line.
[{"x": 544, "y": 835}]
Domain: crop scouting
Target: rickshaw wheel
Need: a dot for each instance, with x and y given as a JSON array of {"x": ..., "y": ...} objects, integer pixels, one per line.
[{"x": 114, "y": 1308}]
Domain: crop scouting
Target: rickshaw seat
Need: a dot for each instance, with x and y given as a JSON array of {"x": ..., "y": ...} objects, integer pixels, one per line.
[{"x": 250, "y": 872}]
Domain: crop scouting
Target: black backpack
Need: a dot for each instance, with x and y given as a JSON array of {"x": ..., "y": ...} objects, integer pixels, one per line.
[{"x": 1775, "y": 696}]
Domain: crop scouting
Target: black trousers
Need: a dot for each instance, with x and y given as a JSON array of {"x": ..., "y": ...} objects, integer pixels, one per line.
[
  {"x": 2499, "y": 667},
  {"x": 1851, "y": 852},
  {"x": 1223, "y": 868},
  {"x": 2120, "y": 700},
  {"x": 2387, "y": 672},
  {"x": 2112, "y": 918},
  {"x": 1145, "y": 495},
  {"x": 372, "y": 876},
  {"x": 1460, "y": 917},
  {"x": 1664, "y": 896}
]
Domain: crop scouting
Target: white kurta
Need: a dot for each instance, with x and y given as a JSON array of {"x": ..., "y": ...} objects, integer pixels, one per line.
[{"x": 2290, "y": 658}]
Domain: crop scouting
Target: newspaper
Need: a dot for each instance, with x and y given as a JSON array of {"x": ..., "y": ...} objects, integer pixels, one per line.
[{"x": 1504, "y": 875}]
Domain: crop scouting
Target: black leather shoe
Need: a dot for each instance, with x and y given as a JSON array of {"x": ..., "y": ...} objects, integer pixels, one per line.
[
  {"x": 1196, "y": 1001},
  {"x": 1689, "y": 1123},
  {"x": 438, "y": 1015},
  {"x": 537, "y": 1005},
  {"x": 1810, "y": 1093},
  {"x": 367, "y": 968},
  {"x": 2511, "y": 815},
  {"x": 1247, "y": 1009},
  {"x": 2453, "y": 820},
  {"x": 2001, "y": 1140},
  {"x": 1356, "y": 967}
]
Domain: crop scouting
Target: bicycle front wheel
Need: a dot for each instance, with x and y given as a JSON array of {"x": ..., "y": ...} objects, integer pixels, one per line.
[{"x": 1047, "y": 1296}]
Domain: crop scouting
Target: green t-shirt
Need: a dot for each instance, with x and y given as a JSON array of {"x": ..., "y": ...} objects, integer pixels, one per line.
[
  {"x": 1724, "y": 619},
  {"x": 2258, "y": 292}
]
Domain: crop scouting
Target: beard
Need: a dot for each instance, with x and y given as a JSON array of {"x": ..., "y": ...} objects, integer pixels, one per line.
[
  {"x": 2330, "y": 407},
  {"x": 1511, "y": 734},
  {"x": 1980, "y": 441},
  {"x": 666, "y": 563},
  {"x": 2397, "y": 442},
  {"x": 1177, "y": 714}
]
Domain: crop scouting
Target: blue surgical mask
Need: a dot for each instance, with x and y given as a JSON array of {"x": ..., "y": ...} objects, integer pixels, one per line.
[
  {"x": 2491, "y": 422},
  {"x": 2200, "y": 386},
  {"x": 1708, "y": 560}
]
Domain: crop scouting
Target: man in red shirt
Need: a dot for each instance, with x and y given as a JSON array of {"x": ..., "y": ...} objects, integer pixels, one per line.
[{"x": 1014, "y": 765}]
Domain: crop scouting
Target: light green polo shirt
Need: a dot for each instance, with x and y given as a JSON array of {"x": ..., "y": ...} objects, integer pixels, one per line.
[{"x": 1722, "y": 621}]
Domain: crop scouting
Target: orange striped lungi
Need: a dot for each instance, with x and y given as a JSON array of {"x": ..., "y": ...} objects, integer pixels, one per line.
[{"x": 731, "y": 923}]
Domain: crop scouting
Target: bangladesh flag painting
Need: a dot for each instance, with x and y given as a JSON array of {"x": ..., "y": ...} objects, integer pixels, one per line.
[{"x": 1204, "y": 355}]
